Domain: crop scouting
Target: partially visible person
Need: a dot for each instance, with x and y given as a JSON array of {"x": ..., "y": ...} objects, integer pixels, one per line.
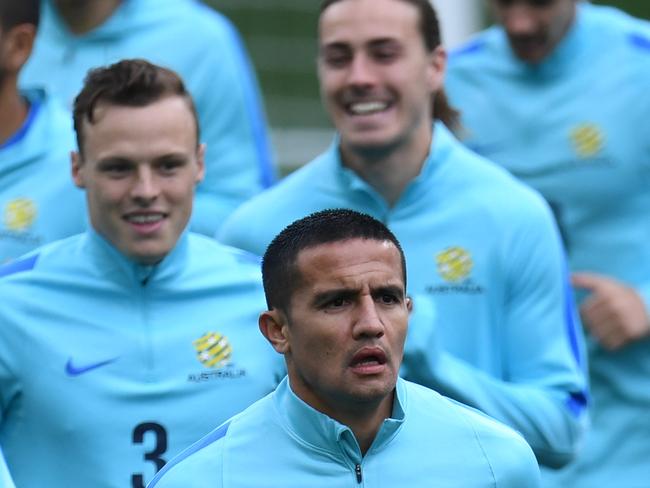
[
  {"x": 335, "y": 285},
  {"x": 5, "y": 477},
  {"x": 125, "y": 344},
  {"x": 558, "y": 94},
  {"x": 482, "y": 246},
  {"x": 193, "y": 40},
  {"x": 38, "y": 201}
]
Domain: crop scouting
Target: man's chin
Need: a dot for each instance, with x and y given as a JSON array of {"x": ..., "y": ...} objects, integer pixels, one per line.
[
  {"x": 532, "y": 54},
  {"x": 371, "y": 398},
  {"x": 374, "y": 389},
  {"x": 369, "y": 147},
  {"x": 148, "y": 256}
]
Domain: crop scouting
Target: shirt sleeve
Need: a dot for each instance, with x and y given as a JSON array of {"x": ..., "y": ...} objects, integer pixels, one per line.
[
  {"x": 541, "y": 391},
  {"x": 198, "y": 466},
  {"x": 238, "y": 160},
  {"x": 520, "y": 471},
  {"x": 514, "y": 467},
  {"x": 8, "y": 384},
  {"x": 5, "y": 477},
  {"x": 644, "y": 288},
  {"x": 644, "y": 293}
]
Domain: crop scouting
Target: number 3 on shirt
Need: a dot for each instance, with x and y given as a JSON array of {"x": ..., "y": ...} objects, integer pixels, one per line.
[{"x": 160, "y": 447}]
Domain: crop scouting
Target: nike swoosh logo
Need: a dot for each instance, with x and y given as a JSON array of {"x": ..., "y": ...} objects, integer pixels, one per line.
[{"x": 73, "y": 370}]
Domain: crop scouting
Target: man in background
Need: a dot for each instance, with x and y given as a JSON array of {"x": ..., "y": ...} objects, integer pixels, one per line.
[
  {"x": 38, "y": 201},
  {"x": 557, "y": 93},
  {"x": 199, "y": 44}
]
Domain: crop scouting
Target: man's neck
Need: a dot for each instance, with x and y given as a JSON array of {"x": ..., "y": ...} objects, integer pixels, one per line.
[
  {"x": 389, "y": 170},
  {"x": 82, "y": 16},
  {"x": 365, "y": 423},
  {"x": 364, "y": 418},
  {"x": 13, "y": 109}
]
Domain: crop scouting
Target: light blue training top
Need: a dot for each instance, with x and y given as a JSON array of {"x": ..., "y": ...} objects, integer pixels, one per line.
[
  {"x": 204, "y": 48},
  {"x": 577, "y": 128},
  {"x": 501, "y": 336},
  {"x": 38, "y": 200},
  {"x": 5, "y": 477},
  {"x": 428, "y": 441},
  {"x": 109, "y": 368}
]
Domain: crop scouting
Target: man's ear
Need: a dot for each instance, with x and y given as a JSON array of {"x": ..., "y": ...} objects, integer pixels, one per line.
[
  {"x": 17, "y": 46},
  {"x": 76, "y": 165},
  {"x": 275, "y": 327},
  {"x": 200, "y": 161},
  {"x": 437, "y": 68},
  {"x": 409, "y": 304}
]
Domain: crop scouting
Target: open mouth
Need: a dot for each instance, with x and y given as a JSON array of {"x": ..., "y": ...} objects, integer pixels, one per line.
[
  {"x": 145, "y": 223},
  {"x": 368, "y": 360},
  {"x": 366, "y": 108}
]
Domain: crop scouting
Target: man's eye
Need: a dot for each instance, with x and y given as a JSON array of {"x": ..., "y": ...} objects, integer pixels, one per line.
[
  {"x": 336, "y": 58},
  {"x": 532, "y": 3},
  {"x": 335, "y": 303},
  {"x": 115, "y": 169},
  {"x": 541, "y": 3},
  {"x": 169, "y": 166},
  {"x": 338, "y": 302},
  {"x": 385, "y": 55},
  {"x": 388, "y": 298}
]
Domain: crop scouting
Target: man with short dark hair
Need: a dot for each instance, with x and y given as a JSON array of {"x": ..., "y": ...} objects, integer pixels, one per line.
[
  {"x": 123, "y": 345},
  {"x": 557, "y": 93},
  {"x": 195, "y": 41},
  {"x": 38, "y": 202},
  {"x": 335, "y": 283},
  {"x": 480, "y": 245}
]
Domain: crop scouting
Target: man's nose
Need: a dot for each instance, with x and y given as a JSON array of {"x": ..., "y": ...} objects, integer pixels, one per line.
[
  {"x": 518, "y": 20},
  {"x": 368, "y": 321},
  {"x": 362, "y": 71},
  {"x": 145, "y": 186}
]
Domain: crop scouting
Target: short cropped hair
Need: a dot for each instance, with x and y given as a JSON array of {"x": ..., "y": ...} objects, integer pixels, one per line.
[
  {"x": 430, "y": 31},
  {"x": 15, "y": 12},
  {"x": 129, "y": 83},
  {"x": 280, "y": 272}
]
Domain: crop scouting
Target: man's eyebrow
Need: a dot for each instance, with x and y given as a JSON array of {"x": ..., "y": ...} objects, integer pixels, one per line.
[
  {"x": 342, "y": 45},
  {"x": 334, "y": 45},
  {"x": 174, "y": 157},
  {"x": 383, "y": 41},
  {"x": 328, "y": 295},
  {"x": 347, "y": 292},
  {"x": 396, "y": 290},
  {"x": 109, "y": 160}
]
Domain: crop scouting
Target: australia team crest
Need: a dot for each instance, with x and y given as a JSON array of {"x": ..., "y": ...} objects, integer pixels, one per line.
[
  {"x": 455, "y": 265},
  {"x": 215, "y": 352},
  {"x": 588, "y": 140},
  {"x": 19, "y": 214}
]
